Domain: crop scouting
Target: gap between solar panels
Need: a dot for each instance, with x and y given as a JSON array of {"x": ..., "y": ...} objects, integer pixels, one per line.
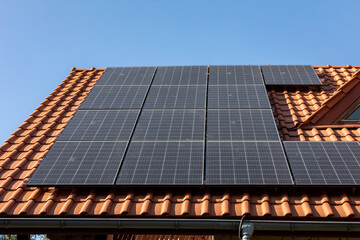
[{"x": 146, "y": 126}]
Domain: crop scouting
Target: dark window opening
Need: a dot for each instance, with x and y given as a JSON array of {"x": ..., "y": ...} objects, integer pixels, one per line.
[
  {"x": 355, "y": 115},
  {"x": 352, "y": 117}
]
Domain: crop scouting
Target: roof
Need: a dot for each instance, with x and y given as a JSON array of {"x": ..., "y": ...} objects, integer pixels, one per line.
[{"x": 28, "y": 145}]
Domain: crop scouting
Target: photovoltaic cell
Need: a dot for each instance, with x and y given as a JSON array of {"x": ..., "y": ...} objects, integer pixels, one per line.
[
  {"x": 324, "y": 163},
  {"x": 170, "y": 125},
  {"x": 115, "y": 97},
  {"x": 232, "y": 75},
  {"x": 181, "y": 75},
  {"x": 176, "y": 97},
  {"x": 239, "y": 96},
  {"x": 290, "y": 75},
  {"x": 163, "y": 163},
  {"x": 100, "y": 125},
  {"x": 246, "y": 163},
  {"x": 80, "y": 163},
  {"x": 241, "y": 125},
  {"x": 127, "y": 76}
]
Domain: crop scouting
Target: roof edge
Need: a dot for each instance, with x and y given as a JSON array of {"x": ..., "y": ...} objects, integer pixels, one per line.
[
  {"x": 330, "y": 66},
  {"x": 87, "y": 69},
  {"x": 243, "y": 227}
]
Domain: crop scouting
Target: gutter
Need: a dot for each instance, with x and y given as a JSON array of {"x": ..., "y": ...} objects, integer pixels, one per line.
[{"x": 247, "y": 227}]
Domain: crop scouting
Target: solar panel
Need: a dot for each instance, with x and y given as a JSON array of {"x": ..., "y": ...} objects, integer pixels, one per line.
[
  {"x": 233, "y": 75},
  {"x": 156, "y": 133},
  {"x": 241, "y": 125},
  {"x": 324, "y": 163},
  {"x": 115, "y": 97},
  {"x": 100, "y": 125},
  {"x": 165, "y": 163},
  {"x": 80, "y": 163},
  {"x": 239, "y": 96},
  {"x": 290, "y": 75},
  {"x": 176, "y": 97},
  {"x": 246, "y": 163},
  {"x": 127, "y": 76},
  {"x": 170, "y": 125},
  {"x": 181, "y": 75}
]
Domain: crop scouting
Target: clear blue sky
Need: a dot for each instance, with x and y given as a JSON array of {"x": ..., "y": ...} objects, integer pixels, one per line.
[{"x": 40, "y": 41}]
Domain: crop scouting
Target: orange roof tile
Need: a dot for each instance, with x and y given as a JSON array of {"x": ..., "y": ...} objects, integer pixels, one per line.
[{"x": 23, "y": 151}]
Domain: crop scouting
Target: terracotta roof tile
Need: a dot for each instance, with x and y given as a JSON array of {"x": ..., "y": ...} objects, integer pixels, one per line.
[{"x": 24, "y": 150}]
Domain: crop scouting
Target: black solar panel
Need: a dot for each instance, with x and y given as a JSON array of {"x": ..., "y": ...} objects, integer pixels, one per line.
[
  {"x": 80, "y": 163},
  {"x": 167, "y": 146},
  {"x": 176, "y": 97},
  {"x": 181, "y": 75},
  {"x": 239, "y": 96},
  {"x": 170, "y": 125},
  {"x": 127, "y": 76},
  {"x": 164, "y": 163},
  {"x": 246, "y": 163},
  {"x": 115, "y": 97},
  {"x": 324, "y": 163},
  {"x": 241, "y": 125},
  {"x": 232, "y": 75},
  {"x": 100, "y": 125},
  {"x": 290, "y": 75}
]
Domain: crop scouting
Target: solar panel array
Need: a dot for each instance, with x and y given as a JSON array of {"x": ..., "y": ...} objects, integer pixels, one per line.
[
  {"x": 324, "y": 163},
  {"x": 290, "y": 75},
  {"x": 190, "y": 125},
  {"x": 243, "y": 144},
  {"x": 168, "y": 143}
]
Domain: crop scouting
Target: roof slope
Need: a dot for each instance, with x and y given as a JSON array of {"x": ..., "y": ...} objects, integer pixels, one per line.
[
  {"x": 293, "y": 108},
  {"x": 23, "y": 151},
  {"x": 340, "y": 101}
]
